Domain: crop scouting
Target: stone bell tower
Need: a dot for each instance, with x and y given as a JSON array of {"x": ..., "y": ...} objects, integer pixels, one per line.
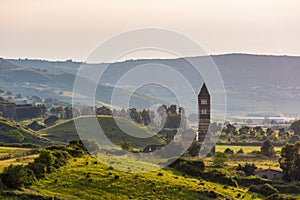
[{"x": 204, "y": 114}]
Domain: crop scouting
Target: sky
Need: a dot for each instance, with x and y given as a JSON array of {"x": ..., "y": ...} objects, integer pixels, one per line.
[{"x": 71, "y": 29}]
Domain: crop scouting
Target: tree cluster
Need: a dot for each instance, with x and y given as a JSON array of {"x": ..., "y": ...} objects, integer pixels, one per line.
[{"x": 290, "y": 162}]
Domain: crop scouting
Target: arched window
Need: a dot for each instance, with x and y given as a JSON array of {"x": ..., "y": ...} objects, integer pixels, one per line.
[{"x": 204, "y": 101}]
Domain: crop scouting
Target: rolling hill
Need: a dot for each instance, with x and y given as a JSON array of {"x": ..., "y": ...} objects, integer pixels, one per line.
[
  {"x": 66, "y": 131},
  {"x": 20, "y": 136},
  {"x": 87, "y": 178}
]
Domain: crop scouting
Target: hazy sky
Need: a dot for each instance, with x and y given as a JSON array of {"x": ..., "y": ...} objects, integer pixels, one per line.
[{"x": 71, "y": 29}]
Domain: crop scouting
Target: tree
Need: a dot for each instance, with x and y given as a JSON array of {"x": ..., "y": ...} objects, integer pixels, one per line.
[
  {"x": 126, "y": 145},
  {"x": 50, "y": 121},
  {"x": 104, "y": 111},
  {"x": 135, "y": 115},
  {"x": 35, "y": 126},
  {"x": 240, "y": 151},
  {"x": 290, "y": 162},
  {"x": 296, "y": 127},
  {"x": 194, "y": 148},
  {"x": 228, "y": 151},
  {"x": 46, "y": 158},
  {"x": 248, "y": 168},
  {"x": 16, "y": 176},
  {"x": 58, "y": 111},
  {"x": 267, "y": 148},
  {"x": 220, "y": 159}
]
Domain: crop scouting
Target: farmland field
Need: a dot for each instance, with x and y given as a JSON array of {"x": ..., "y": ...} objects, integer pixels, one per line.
[
  {"x": 12, "y": 155},
  {"x": 247, "y": 149}
]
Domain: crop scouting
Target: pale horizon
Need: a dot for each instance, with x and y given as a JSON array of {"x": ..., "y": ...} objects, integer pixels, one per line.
[{"x": 61, "y": 30}]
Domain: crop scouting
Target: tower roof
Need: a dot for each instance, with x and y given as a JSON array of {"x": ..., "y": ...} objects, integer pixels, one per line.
[{"x": 204, "y": 91}]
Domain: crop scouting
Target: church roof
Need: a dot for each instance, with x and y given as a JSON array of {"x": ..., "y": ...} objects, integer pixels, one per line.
[{"x": 204, "y": 91}]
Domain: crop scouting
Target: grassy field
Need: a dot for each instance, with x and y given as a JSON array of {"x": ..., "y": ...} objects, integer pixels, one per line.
[
  {"x": 7, "y": 151},
  {"x": 247, "y": 149},
  {"x": 260, "y": 161},
  {"x": 87, "y": 179},
  {"x": 16, "y": 156},
  {"x": 67, "y": 131}
]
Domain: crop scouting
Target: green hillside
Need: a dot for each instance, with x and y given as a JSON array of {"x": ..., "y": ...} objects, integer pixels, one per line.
[
  {"x": 66, "y": 131},
  {"x": 87, "y": 178},
  {"x": 11, "y": 133}
]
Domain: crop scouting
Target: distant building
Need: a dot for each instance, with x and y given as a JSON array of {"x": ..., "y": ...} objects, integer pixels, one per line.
[
  {"x": 271, "y": 174},
  {"x": 261, "y": 120}
]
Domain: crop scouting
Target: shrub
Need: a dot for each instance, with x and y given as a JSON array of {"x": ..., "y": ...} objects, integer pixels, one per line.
[
  {"x": 212, "y": 194},
  {"x": 220, "y": 159},
  {"x": 240, "y": 151},
  {"x": 248, "y": 181},
  {"x": 288, "y": 188},
  {"x": 248, "y": 168},
  {"x": 16, "y": 176},
  {"x": 39, "y": 169},
  {"x": 265, "y": 189},
  {"x": 194, "y": 149},
  {"x": 278, "y": 197},
  {"x": 126, "y": 146},
  {"x": 219, "y": 177},
  {"x": 229, "y": 151},
  {"x": 190, "y": 167},
  {"x": 61, "y": 158},
  {"x": 45, "y": 158},
  {"x": 160, "y": 174}
]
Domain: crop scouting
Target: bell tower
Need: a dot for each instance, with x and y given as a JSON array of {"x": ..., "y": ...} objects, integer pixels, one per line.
[{"x": 204, "y": 114}]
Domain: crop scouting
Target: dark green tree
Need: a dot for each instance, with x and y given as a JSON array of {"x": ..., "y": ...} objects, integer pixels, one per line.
[
  {"x": 16, "y": 176},
  {"x": 194, "y": 148},
  {"x": 296, "y": 127},
  {"x": 51, "y": 120},
  {"x": 267, "y": 148},
  {"x": 248, "y": 168},
  {"x": 228, "y": 151},
  {"x": 290, "y": 162},
  {"x": 46, "y": 158}
]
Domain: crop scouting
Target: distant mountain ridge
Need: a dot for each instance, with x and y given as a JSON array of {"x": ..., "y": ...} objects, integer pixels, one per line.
[
  {"x": 32, "y": 81},
  {"x": 254, "y": 83}
]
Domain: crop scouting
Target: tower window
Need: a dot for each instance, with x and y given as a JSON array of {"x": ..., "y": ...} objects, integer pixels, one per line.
[
  {"x": 204, "y": 101},
  {"x": 203, "y": 111}
]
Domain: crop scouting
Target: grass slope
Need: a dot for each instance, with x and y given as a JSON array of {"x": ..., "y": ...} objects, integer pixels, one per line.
[
  {"x": 66, "y": 131},
  {"x": 87, "y": 178},
  {"x": 29, "y": 136}
]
